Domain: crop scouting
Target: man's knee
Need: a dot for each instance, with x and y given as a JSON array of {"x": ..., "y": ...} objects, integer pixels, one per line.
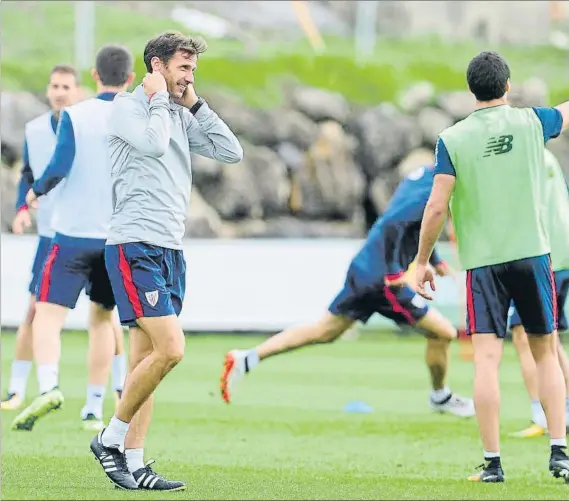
[
  {"x": 331, "y": 327},
  {"x": 519, "y": 338},
  {"x": 543, "y": 346},
  {"x": 99, "y": 315},
  {"x": 30, "y": 314}
]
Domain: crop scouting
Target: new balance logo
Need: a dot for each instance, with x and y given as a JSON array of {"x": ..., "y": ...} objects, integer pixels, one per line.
[{"x": 498, "y": 145}]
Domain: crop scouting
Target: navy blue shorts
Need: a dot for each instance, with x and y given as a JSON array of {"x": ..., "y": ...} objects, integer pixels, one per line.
[
  {"x": 561, "y": 290},
  {"x": 359, "y": 300},
  {"x": 44, "y": 243},
  {"x": 528, "y": 283},
  {"x": 74, "y": 264},
  {"x": 148, "y": 281}
]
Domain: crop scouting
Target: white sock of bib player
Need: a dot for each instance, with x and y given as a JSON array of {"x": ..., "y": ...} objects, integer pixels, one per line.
[
  {"x": 95, "y": 400},
  {"x": 559, "y": 442},
  {"x": 537, "y": 414},
  {"x": 134, "y": 459},
  {"x": 119, "y": 372},
  {"x": 48, "y": 377},
  {"x": 438, "y": 396},
  {"x": 115, "y": 433},
  {"x": 19, "y": 377}
]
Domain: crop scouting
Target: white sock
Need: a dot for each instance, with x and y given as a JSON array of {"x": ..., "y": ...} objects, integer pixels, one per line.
[
  {"x": 567, "y": 407},
  {"x": 19, "y": 377},
  {"x": 491, "y": 455},
  {"x": 537, "y": 413},
  {"x": 115, "y": 433},
  {"x": 251, "y": 360},
  {"x": 119, "y": 372},
  {"x": 95, "y": 400},
  {"x": 48, "y": 377},
  {"x": 438, "y": 396},
  {"x": 134, "y": 459},
  {"x": 559, "y": 442}
]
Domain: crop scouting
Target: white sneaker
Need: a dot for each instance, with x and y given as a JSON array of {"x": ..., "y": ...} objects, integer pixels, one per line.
[
  {"x": 233, "y": 371},
  {"x": 457, "y": 405}
]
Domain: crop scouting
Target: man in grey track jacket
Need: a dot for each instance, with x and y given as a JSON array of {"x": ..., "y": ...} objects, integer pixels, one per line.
[{"x": 153, "y": 131}]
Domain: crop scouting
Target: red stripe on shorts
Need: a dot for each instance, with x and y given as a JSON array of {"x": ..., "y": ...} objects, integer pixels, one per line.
[
  {"x": 397, "y": 306},
  {"x": 46, "y": 273},
  {"x": 128, "y": 283},
  {"x": 554, "y": 291},
  {"x": 470, "y": 303}
]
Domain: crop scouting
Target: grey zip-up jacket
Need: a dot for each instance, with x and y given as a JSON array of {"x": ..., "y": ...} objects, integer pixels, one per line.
[{"x": 150, "y": 143}]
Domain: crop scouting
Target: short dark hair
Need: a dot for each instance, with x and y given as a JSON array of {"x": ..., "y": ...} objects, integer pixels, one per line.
[
  {"x": 164, "y": 47},
  {"x": 66, "y": 69},
  {"x": 487, "y": 76},
  {"x": 114, "y": 65}
]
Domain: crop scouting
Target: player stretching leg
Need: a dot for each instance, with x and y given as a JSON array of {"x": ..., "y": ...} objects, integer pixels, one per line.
[
  {"x": 493, "y": 147},
  {"x": 153, "y": 131},
  {"x": 558, "y": 201},
  {"x": 76, "y": 258},
  {"x": 375, "y": 282},
  {"x": 39, "y": 143}
]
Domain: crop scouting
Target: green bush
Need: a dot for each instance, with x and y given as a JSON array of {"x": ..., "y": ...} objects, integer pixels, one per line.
[{"x": 257, "y": 78}]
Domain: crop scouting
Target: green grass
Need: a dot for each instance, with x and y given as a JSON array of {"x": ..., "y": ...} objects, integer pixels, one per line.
[
  {"x": 286, "y": 437},
  {"x": 257, "y": 76}
]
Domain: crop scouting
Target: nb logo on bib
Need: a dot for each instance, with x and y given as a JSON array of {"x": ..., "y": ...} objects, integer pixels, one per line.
[{"x": 499, "y": 145}]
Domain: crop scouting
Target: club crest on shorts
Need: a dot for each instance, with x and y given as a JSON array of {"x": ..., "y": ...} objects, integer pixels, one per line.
[{"x": 152, "y": 297}]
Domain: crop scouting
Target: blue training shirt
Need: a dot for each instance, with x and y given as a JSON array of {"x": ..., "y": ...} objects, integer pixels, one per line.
[{"x": 393, "y": 241}]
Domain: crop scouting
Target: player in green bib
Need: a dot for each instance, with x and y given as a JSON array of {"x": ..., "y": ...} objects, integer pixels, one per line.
[
  {"x": 490, "y": 170},
  {"x": 558, "y": 221}
]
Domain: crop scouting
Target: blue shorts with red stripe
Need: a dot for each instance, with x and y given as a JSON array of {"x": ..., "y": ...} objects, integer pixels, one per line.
[
  {"x": 74, "y": 264},
  {"x": 44, "y": 243},
  {"x": 528, "y": 283},
  {"x": 147, "y": 280},
  {"x": 361, "y": 297},
  {"x": 561, "y": 291}
]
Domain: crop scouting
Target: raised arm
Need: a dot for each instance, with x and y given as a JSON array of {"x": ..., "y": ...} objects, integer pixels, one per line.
[
  {"x": 147, "y": 132},
  {"x": 553, "y": 120},
  {"x": 209, "y": 136}
]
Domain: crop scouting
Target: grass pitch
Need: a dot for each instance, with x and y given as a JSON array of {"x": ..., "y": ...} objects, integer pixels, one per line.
[{"x": 286, "y": 435}]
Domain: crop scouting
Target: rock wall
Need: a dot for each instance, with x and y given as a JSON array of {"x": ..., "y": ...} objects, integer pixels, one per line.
[{"x": 317, "y": 167}]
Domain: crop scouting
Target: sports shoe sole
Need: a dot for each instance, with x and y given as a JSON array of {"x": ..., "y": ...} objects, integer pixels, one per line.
[
  {"x": 228, "y": 365},
  {"x": 28, "y": 423}
]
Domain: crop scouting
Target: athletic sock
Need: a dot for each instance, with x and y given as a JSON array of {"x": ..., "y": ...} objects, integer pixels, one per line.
[
  {"x": 119, "y": 372},
  {"x": 48, "y": 377},
  {"x": 493, "y": 457},
  {"x": 251, "y": 360},
  {"x": 537, "y": 413},
  {"x": 95, "y": 400},
  {"x": 134, "y": 459},
  {"x": 19, "y": 377},
  {"x": 558, "y": 442},
  {"x": 440, "y": 396},
  {"x": 115, "y": 433}
]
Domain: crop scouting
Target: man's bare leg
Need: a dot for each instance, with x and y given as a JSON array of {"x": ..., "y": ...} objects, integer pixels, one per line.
[
  {"x": 119, "y": 360},
  {"x": 551, "y": 383},
  {"x": 239, "y": 362},
  {"x": 439, "y": 333},
  {"x": 99, "y": 359},
  {"x": 168, "y": 345},
  {"x": 487, "y": 357},
  {"x": 23, "y": 358},
  {"x": 47, "y": 325},
  {"x": 564, "y": 362},
  {"x": 529, "y": 375},
  {"x": 140, "y": 348}
]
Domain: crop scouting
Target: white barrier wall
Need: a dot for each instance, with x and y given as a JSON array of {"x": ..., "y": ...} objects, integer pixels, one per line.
[{"x": 232, "y": 285}]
